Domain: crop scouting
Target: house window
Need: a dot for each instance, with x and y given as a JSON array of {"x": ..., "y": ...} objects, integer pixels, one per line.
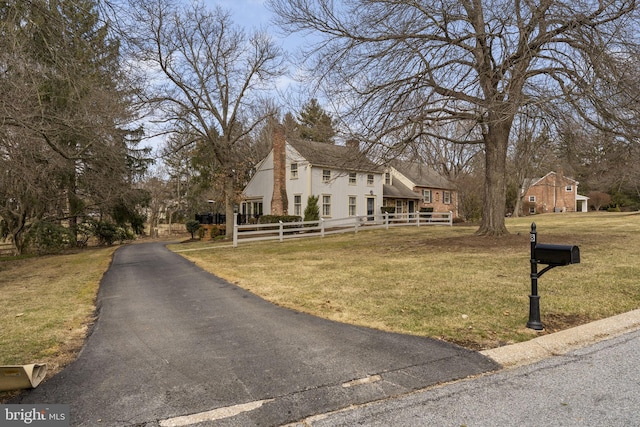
[
  {"x": 532, "y": 199},
  {"x": 569, "y": 188},
  {"x": 399, "y": 206},
  {"x": 326, "y": 175},
  {"x": 426, "y": 196},
  {"x": 446, "y": 197},
  {"x": 256, "y": 209},
  {"x": 297, "y": 204},
  {"x": 352, "y": 205},
  {"x": 352, "y": 178},
  {"x": 294, "y": 171},
  {"x": 370, "y": 179},
  {"x": 326, "y": 205},
  {"x": 532, "y": 210},
  {"x": 387, "y": 178}
]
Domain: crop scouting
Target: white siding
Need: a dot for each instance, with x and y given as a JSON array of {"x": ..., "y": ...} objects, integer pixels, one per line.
[
  {"x": 309, "y": 182},
  {"x": 261, "y": 184},
  {"x": 340, "y": 190}
]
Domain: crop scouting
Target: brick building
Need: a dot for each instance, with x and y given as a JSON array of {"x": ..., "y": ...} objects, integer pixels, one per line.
[{"x": 554, "y": 192}]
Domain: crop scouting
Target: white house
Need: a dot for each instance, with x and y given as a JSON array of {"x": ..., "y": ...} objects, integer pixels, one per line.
[{"x": 345, "y": 181}]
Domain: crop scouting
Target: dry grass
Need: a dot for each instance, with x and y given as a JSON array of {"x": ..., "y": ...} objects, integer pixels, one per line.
[
  {"x": 444, "y": 281},
  {"x": 47, "y": 306},
  {"x": 435, "y": 281}
]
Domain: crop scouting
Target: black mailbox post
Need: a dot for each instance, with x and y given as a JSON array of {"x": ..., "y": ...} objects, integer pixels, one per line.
[{"x": 552, "y": 256}]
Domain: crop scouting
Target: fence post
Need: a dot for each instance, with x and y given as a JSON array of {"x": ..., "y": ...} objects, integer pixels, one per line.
[
  {"x": 386, "y": 220},
  {"x": 450, "y": 218},
  {"x": 417, "y": 214},
  {"x": 321, "y": 227},
  {"x": 235, "y": 230},
  {"x": 357, "y": 220},
  {"x": 281, "y": 233}
]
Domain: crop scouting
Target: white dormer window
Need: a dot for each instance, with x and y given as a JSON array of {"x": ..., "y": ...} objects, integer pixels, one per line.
[
  {"x": 352, "y": 178},
  {"x": 326, "y": 175},
  {"x": 370, "y": 179}
]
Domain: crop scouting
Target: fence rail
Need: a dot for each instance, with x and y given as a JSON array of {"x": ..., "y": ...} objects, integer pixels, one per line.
[
  {"x": 295, "y": 230},
  {"x": 8, "y": 249}
]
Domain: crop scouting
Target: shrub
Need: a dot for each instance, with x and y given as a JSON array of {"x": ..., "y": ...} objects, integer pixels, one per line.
[
  {"x": 47, "y": 238},
  {"x": 274, "y": 219},
  {"x": 192, "y": 227},
  {"x": 388, "y": 209},
  {"x": 202, "y": 231},
  {"x": 312, "y": 211},
  {"x": 215, "y": 231},
  {"x": 106, "y": 232}
]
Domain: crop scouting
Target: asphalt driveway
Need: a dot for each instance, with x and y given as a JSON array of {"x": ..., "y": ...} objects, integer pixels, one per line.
[{"x": 173, "y": 341}]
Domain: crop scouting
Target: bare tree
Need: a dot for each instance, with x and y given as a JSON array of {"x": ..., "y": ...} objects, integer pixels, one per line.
[
  {"x": 531, "y": 147},
  {"x": 207, "y": 74},
  {"x": 413, "y": 66},
  {"x": 597, "y": 199}
]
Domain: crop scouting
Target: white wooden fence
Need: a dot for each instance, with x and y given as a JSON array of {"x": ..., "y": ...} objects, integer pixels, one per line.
[{"x": 292, "y": 230}]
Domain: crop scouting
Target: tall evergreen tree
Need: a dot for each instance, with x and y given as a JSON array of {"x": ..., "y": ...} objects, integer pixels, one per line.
[
  {"x": 315, "y": 124},
  {"x": 74, "y": 104}
]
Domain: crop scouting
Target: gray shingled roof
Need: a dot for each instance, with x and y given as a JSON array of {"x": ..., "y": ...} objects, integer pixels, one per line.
[
  {"x": 398, "y": 191},
  {"x": 334, "y": 156},
  {"x": 422, "y": 175}
]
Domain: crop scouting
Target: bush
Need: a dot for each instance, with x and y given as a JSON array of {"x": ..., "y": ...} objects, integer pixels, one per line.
[
  {"x": 193, "y": 225},
  {"x": 202, "y": 232},
  {"x": 312, "y": 211},
  {"x": 274, "y": 219},
  {"x": 45, "y": 237},
  {"x": 388, "y": 209},
  {"x": 106, "y": 232},
  {"x": 215, "y": 231}
]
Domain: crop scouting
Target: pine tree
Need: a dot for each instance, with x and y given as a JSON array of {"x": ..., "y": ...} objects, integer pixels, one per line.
[
  {"x": 312, "y": 211},
  {"x": 73, "y": 107},
  {"x": 315, "y": 124}
]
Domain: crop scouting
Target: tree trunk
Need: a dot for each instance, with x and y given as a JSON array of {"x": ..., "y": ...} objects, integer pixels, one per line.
[
  {"x": 518, "y": 207},
  {"x": 495, "y": 189},
  {"x": 229, "y": 188}
]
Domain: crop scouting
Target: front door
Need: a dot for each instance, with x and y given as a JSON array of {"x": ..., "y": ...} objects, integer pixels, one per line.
[{"x": 371, "y": 206}]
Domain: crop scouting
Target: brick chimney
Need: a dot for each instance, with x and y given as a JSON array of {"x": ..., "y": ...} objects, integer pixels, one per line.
[{"x": 279, "y": 200}]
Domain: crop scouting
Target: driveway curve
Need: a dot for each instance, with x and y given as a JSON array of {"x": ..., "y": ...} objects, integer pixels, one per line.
[{"x": 175, "y": 345}]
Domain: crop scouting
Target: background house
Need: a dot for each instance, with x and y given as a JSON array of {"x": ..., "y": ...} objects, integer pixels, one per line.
[
  {"x": 410, "y": 187},
  {"x": 346, "y": 182},
  {"x": 554, "y": 192}
]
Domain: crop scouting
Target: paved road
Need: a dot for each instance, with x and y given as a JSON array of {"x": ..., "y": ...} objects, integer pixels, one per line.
[
  {"x": 598, "y": 386},
  {"x": 172, "y": 340}
]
